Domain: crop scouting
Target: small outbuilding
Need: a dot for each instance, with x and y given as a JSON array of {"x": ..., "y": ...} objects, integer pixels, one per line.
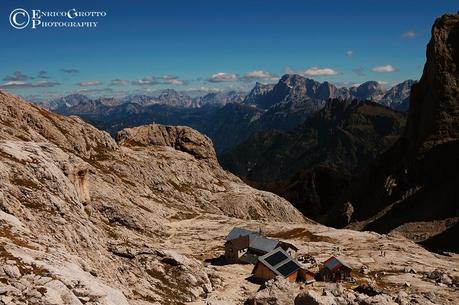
[
  {"x": 277, "y": 263},
  {"x": 335, "y": 270}
]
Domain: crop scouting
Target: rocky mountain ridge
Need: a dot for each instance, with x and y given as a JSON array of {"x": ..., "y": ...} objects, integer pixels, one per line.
[
  {"x": 346, "y": 135},
  {"x": 295, "y": 90},
  {"x": 228, "y": 118}
]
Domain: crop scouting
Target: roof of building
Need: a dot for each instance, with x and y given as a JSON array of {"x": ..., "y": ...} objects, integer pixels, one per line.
[
  {"x": 288, "y": 245},
  {"x": 262, "y": 244},
  {"x": 334, "y": 264},
  {"x": 257, "y": 242},
  {"x": 238, "y": 232},
  {"x": 279, "y": 262}
]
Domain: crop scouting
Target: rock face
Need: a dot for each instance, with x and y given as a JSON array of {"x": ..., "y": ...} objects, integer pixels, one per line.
[
  {"x": 434, "y": 111},
  {"x": 413, "y": 187},
  {"x": 398, "y": 97},
  {"x": 180, "y": 138},
  {"x": 371, "y": 90},
  {"x": 258, "y": 94},
  {"x": 26, "y": 122},
  {"x": 295, "y": 90}
]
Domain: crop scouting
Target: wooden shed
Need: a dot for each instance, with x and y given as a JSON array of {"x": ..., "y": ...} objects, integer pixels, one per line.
[
  {"x": 335, "y": 270},
  {"x": 276, "y": 263}
]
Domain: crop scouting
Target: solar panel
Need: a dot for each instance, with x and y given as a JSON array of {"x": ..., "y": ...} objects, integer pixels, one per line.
[
  {"x": 288, "y": 268},
  {"x": 276, "y": 258}
]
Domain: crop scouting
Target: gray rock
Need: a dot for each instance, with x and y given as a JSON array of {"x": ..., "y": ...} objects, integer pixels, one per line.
[{"x": 12, "y": 271}]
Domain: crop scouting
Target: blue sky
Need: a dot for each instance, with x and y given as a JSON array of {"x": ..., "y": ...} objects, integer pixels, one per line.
[{"x": 143, "y": 46}]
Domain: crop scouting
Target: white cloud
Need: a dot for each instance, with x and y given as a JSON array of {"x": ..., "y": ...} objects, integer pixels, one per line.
[
  {"x": 146, "y": 81},
  {"x": 384, "y": 69},
  {"x": 222, "y": 77},
  {"x": 409, "y": 34},
  {"x": 260, "y": 75},
  {"x": 24, "y": 84},
  {"x": 17, "y": 76},
  {"x": 95, "y": 91},
  {"x": 119, "y": 82},
  {"x": 349, "y": 53},
  {"x": 202, "y": 90},
  {"x": 70, "y": 71},
  {"x": 42, "y": 74},
  {"x": 151, "y": 80},
  {"x": 315, "y": 71},
  {"x": 173, "y": 80},
  {"x": 90, "y": 83}
]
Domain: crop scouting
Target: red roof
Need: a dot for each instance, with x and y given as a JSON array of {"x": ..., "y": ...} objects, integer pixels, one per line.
[{"x": 334, "y": 264}]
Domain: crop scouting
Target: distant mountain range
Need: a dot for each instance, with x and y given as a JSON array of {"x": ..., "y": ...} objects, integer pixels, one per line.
[
  {"x": 228, "y": 118},
  {"x": 168, "y": 97}
]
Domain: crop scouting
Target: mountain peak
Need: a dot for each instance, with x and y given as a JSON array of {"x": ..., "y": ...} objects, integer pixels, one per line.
[
  {"x": 370, "y": 90},
  {"x": 434, "y": 109}
]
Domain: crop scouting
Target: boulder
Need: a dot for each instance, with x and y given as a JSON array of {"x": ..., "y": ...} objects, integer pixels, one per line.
[
  {"x": 180, "y": 138},
  {"x": 277, "y": 291}
]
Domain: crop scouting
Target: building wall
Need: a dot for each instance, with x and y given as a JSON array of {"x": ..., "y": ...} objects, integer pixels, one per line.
[
  {"x": 235, "y": 248},
  {"x": 261, "y": 272},
  {"x": 293, "y": 277},
  {"x": 338, "y": 275},
  {"x": 305, "y": 275},
  {"x": 291, "y": 252}
]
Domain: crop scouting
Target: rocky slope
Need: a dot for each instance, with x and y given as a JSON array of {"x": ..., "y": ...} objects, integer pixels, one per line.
[
  {"x": 74, "y": 203},
  {"x": 413, "y": 187}
]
